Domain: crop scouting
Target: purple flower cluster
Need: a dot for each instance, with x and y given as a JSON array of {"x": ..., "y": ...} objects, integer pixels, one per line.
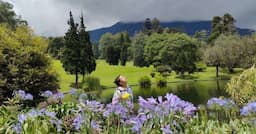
[
  {"x": 23, "y": 95},
  {"x": 248, "y": 109},
  {"x": 223, "y": 103},
  {"x": 32, "y": 114},
  {"x": 116, "y": 109},
  {"x": 162, "y": 108},
  {"x": 137, "y": 122},
  {"x": 166, "y": 129},
  {"x": 77, "y": 122},
  {"x": 47, "y": 94},
  {"x": 95, "y": 125},
  {"x": 94, "y": 106}
]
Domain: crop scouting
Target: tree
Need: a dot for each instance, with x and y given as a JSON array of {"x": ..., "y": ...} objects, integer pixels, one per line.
[
  {"x": 156, "y": 26},
  {"x": 222, "y": 25},
  {"x": 24, "y": 63},
  {"x": 178, "y": 51},
  {"x": 87, "y": 59},
  {"x": 71, "y": 55},
  {"x": 147, "y": 29},
  {"x": 138, "y": 44},
  {"x": 56, "y": 46},
  {"x": 8, "y": 16},
  {"x": 125, "y": 43},
  {"x": 213, "y": 56}
]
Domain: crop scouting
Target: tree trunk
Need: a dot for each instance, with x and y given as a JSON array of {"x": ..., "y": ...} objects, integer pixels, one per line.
[
  {"x": 77, "y": 79},
  {"x": 217, "y": 71}
]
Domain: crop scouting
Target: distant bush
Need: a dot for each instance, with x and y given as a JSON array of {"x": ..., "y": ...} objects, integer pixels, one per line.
[
  {"x": 145, "y": 82},
  {"x": 162, "y": 68},
  {"x": 200, "y": 66},
  {"x": 161, "y": 82},
  {"x": 242, "y": 88},
  {"x": 91, "y": 83},
  {"x": 153, "y": 74}
]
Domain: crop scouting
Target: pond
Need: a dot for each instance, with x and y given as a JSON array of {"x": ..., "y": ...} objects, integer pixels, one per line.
[{"x": 197, "y": 92}]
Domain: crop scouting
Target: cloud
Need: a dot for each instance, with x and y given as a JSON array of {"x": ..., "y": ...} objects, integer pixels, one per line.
[{"x": 49, "y": 17}]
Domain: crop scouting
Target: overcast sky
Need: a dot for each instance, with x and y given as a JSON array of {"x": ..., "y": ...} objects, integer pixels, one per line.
[{"x": 49, "y": 17}]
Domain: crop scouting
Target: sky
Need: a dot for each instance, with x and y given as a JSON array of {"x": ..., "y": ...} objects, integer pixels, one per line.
[{"x": 49, "y": 17}]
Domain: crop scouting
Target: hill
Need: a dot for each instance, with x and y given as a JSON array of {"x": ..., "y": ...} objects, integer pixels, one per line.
[{"x": 189, "y": 27}]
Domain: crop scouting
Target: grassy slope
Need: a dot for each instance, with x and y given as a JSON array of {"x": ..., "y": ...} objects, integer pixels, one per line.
[{"x": 107, "y": 74}]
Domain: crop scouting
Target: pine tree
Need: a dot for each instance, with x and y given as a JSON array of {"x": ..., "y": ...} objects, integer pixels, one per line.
[
  {"x": 87, "y": 59},
  {"x": 71, "y": 54}
]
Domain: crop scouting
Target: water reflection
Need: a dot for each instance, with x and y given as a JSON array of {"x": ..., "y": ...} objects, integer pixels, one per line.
[{"x": 197, "y": 92}]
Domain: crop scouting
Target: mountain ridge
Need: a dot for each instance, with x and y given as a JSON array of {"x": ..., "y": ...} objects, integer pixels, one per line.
[{"x": 189, "y": 27}]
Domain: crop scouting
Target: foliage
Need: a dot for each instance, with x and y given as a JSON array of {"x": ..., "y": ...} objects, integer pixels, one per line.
[
  {"x": 242, "y": 88},
  {"x": 8, "y": 16},
  {"x": 114, "y": 48},
  {"x": 138, "y": 44},
  {"x": 161, "y": 82},
  {"x": 56, "y": 47},
  {"x": 178, "y": 51},
  {"x": 222, "y": 25},
  {"x": 77, "y": 57},
  {"x": 91, "y": 83},
  {"x": 145, "y": 82},
  {"x": 23, "y": 62},
  {"x": 201, "y": 66}
]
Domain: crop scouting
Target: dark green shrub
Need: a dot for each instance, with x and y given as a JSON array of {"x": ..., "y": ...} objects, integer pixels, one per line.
[
  {"x": 200, "y": 66},
  {"x": 153, "y": 74},
  {"x": 161, "y": 82},
  {"x": 163, "y": 68},
  {"x": 145, "y": 82},
  {"x": 165, "y": 74},
  {"x": 91, "y": 83}
]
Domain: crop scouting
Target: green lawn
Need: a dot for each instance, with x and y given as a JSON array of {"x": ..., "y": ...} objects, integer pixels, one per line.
[{"x": 107, "y": 74}]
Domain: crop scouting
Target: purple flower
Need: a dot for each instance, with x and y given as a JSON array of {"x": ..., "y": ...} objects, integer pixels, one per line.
[
  {"x": 223, "y": 103},
  {"x": 137, "y": 123},
  {"x": 77, "y": 122},
  {"x": 94, "y": 106},
  {"x": 47, "y": 94},
  {"x": 116, "y": 109},
  {"x": 248, "y": 109},
  {"x": 50, "y": 114},
  {"x": 58, "y": 95},
  {"x": 73, "y": 91},
  {"x": 17, "y": 128},
  {"x": 95, "y": 125},
  {"x": 21, "y": 94},
  {"x": 33, "y": 113},
  {"x": 166, "y": 129},
  {"x": 28, "y": 97},
  {"x": 22, "y": 118}
]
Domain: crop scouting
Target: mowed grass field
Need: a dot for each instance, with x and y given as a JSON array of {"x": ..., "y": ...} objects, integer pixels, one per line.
[{"x": 107, "y": 73}]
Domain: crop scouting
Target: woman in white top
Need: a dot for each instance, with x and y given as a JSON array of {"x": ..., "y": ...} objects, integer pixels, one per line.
[{"x": 123, "y": 92}]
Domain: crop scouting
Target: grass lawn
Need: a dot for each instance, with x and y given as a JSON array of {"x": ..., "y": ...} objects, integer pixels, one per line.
[{"x": 107, "y": 74}]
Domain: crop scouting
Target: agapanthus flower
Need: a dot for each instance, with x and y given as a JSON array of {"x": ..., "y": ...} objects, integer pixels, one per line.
[
  {"x": 29, "y": 96},
  {"x": 50, "y": 114},
  {"x": 73, "y": 91},
  {"x": 47, "y": 94},
  {"x": 95, "y": 125},
  {"x": 33, "y": 113},
  {"x": 248, "y": 109},
  {"x": 77, "y": 122},
  {"x": 94, "y": 106},
  {"x": 223, "y": 103},
  {"x": 116, "y": 109},
  {"x": 17, "y": 128},
  {"x": 22, "y": 118},
  {"x": 58, "y": 95},
  {"x": 137, "y": 122},
  {"x": 166, "y": 129}
]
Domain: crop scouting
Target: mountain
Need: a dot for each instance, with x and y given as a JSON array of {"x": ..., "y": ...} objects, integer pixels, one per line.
[{"x": 189, "y": 27}]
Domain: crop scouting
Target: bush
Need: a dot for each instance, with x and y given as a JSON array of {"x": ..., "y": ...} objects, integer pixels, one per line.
[
  {"x": 91, "y": 83},
  {"x": 145, "y": 82},
  {"x": 242, "y": 88},
  {"x": 153, "y": 74},
  {"x": 24, "y": 64},
  {"x": 162, "y": 68},
  {"x": 161, "y": 82},
  {"x": 200, "y": 66}
]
